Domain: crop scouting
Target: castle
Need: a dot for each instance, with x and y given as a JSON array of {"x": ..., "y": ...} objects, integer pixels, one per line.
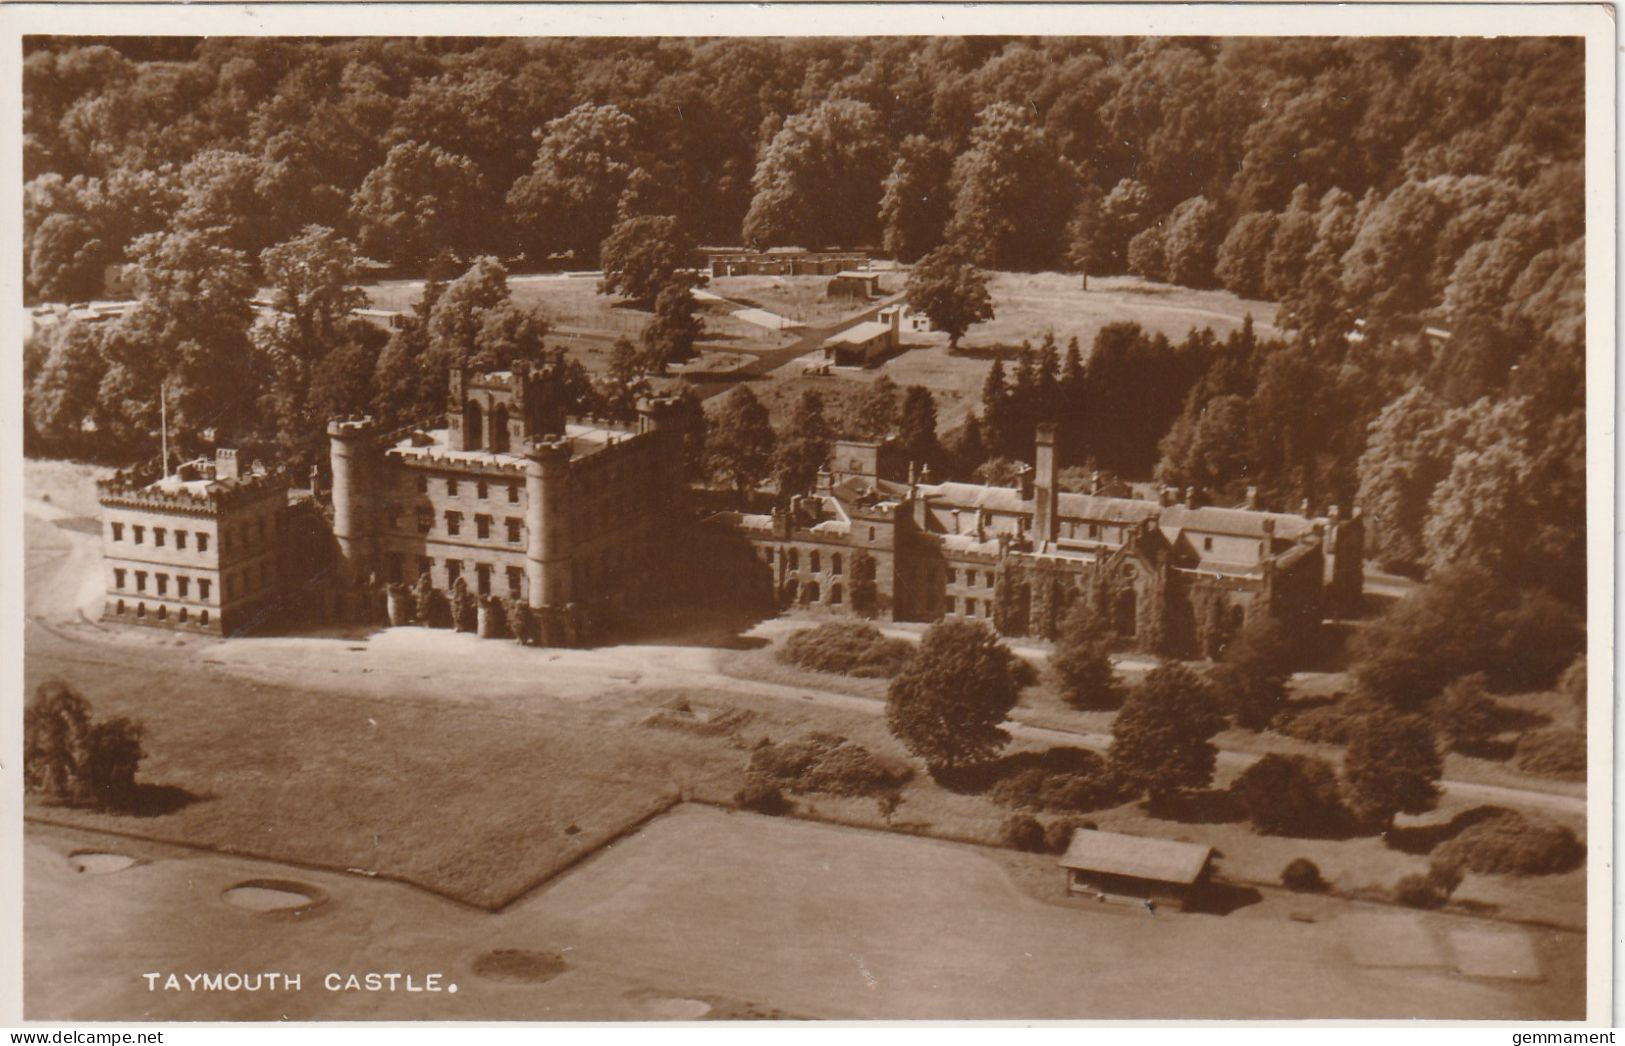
[
  {"x": 575, "y": 520},
  {"x": 1171, "y": 575},
  {"x": 512, "y": 500}
]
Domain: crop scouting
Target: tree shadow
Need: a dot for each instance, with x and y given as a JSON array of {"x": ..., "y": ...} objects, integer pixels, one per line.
[
  {"x": 710, "y": 630},
  {"x": 1423, "y": 839},
  {"x": 1221, "y": 898},
  {"x": 1212, "y": 806},
  {"x": 156, "y": 800}
]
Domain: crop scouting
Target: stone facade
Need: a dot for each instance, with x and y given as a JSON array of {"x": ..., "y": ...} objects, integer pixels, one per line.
[
  {"x": 1173, "y": 575},
  {"x": 199, "y": 550}
]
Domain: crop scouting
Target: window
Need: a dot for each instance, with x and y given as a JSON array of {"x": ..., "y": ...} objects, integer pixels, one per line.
[
  {"x": 970, "y": 607},
  {"x": 513, "y": 493},
  {"x": 140, "y": 534},
  {"x": 482, "y": 491},
  {"x": 140, "y": 580},
  {"x": 513, "y": 531},
  {"x": 118, "y": 577},
  {"x": 425, "y": 565},
  {"x": 183, "y": 586},
  {"x": 835, "y": 594},
  {"x": 1207, "y": 544},
  {"x": 812, "y": 561},
  {"x": 514, "y": 580},
  {"x": 121, "y": 606},
  {"x": 451, "y": 487},
  {"x": 423, "y": 483},
  {"x": 163, "y": 613},
  {"x": 953, "y": 579},
  {"x": 482, "y": 572},
  {"x": 483, "y": 525},
  {"x": 158, "y": 537},
  {"x": 871, "y": 533},
  {"x": 203, "y": 592},
  {"x": 454, "y": 569},
  {"x": 141, "y": 610},
  {"x": 180, "y": 539},
  {"x": 183, "y": 614},
  {"x": 835, "y": 565},
  {"x": 118, "y": 531},
  {"x": 163, "y": 584},
  {"x": 454, "y": 523},
  {"x": 1094, "y": 530},
  {"x": 795, "y": 559},
  {"x": 203, "y": 617},
  {"x": 990, "y": 579},
  {"x": 425, "y": 520},
  {"x": 202, "y": 541}
]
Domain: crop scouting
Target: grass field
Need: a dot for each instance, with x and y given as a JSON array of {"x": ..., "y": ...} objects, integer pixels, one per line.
[
  {"x": 710, "y": 911},
  {"x": 800, "y": 298}
]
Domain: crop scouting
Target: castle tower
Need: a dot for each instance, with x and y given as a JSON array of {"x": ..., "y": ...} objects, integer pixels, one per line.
[
  {"x": 1046, "y": 486},
  {"x": 352, "y": 450},
  {"x": 547, "y": 559}
]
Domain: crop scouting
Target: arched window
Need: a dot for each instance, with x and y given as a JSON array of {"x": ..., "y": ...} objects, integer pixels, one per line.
[
  {"x": 203, "y": 617},
  {"x": 163, "y": 613},
  {"x": 812, "y": 561},
  {"x": 121, "y": 606},
  {"x": 141, "y": 610},
  {"x": 473, "y": 422},
  {"x": 183, "y": 614},
  {"x": 835, "y": 595},
  {"x": 795, "y": 559},
  {"x": 499, "y": 429},
  {"x": 835, "y": 563},
  {"x": 809, "y": 592}
]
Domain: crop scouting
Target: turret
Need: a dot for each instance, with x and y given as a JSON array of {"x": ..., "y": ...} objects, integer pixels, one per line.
[
  {"x": 352, "y": 449},
  {"x": 547, "y": 563}
]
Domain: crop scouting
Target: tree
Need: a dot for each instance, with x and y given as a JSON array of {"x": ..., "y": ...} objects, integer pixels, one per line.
[
  {"x": 419, "y": 201},
  {"x": 946, "y": 707},
  {"x": 1406, "y": 455},
  {"x": 803, "y": 446},
  {"x": 914, "y": 204},
  {"x": 670, "y": 336},
  {"x": 56, "y": 738},
  {"x": 818, "y": 180},
  {"x": 1081, "y": 663},
  {"x": 917, "y": 427},
  {"x": 313, "y": 280},
  {"x": 875, "y": 414},
  {"x": 114, "y": 756},
  {"x": 1465, "y": 714},
  {"x": 739, "y": 441},
  {"x": 569, "y": 200},
  {"x": 949, "y": 289},
  {"x": 1146, "y": 256},
  {"x": 643, "y": 255},
  {"x": 1162, "y": 740},
  {"x": 1250, "y": 682},
  {"x": 1392, "y": 766},
  {"x": 1008, "y": 187},
  {"x": 1242, "y": 256},
  {"x": 1190, "y": 242},
  {"x": 1291, "y": 795},
  {"x": 64, "y": 394}
]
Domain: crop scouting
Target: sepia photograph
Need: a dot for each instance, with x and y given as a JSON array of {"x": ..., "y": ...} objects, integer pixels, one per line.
[{"x": 791, "y": 516}]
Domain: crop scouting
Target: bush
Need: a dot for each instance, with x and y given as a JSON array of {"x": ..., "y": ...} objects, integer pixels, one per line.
[
  {"x": 1058, "y": 836},
  {"x": 762, "y": 797},
  {"x": 69, "y": 756},
  {"x": 850, "y": 648},
  {"x": 1064, "y": 780},
  {"x": 1291, "y": 795},
  {"x": 1301, "y": 875},
  {"x": 1465, "y": 713},
  {"x": 1023, "y": 832},
  {"x": 1431, "y": 889},
  {"x": 111, "y": 759},
  {"x": 1552, "y": 753},
  {"x": 1510, "y": 843},
  {"x": 828, "y": 763},
  {"x": 1332, "y": 724}
]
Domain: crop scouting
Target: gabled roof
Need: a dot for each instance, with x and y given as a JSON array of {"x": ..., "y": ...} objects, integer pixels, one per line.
[
  {"x": 1142, "y": 857},
  {"x": 976, "y": 495},
  {"x": 1095, "y": 508},
  {"x": 1239, "y": 522}
]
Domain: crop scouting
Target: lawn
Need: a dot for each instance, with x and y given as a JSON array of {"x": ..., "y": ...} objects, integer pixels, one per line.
[{"x": 800, "y": 298}]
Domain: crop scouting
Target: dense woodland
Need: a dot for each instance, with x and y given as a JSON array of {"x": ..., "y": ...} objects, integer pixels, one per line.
[{"x": 1373, "y": 187}]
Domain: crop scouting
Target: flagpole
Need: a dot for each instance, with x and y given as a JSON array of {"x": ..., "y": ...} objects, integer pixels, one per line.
[{"x": 163, "y": 422}]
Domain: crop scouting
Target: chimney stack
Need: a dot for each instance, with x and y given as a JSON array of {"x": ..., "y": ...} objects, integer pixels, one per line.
[
  {"x": 1192, "y": 498},
  {"x": 1046, "y": 487},
  {"x": 225, "y": 464},
  {"x": 1252, "y": 499}
]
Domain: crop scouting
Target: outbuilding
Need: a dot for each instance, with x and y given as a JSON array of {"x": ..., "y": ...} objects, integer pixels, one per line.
[{"x": 1112, "y": 866}]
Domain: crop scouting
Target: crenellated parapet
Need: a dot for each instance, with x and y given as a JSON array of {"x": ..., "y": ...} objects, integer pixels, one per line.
[{"x": 140, "y": 489}]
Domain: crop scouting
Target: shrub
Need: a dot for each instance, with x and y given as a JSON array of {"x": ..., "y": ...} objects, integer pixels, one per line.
[
  {"x": 69, "y": 756},
  {"x": 1301, "y": 875},
  {"x": 1430, "y": 889},
  {"x": 1510, "y": 843},
  {"x": 1058, "y": 836},
  {"x": 1332, "y": 724},
  {"x": 1552, "y": 753},
  {"x": 762, "y": 797},
  {"x": 847, "y": 648},
  {"x": 1064, "y": 780},
  {"x": 1465, "y": 713},
  {"x": 111, "y": 759},
  {"x": 1080, "y": 666},
  {"x": 828, "y": 763},
  {"x": 1291, "y": 795},
  {"x": 1250, "y": 683},
  {"x": 1023, "y": 832}
]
